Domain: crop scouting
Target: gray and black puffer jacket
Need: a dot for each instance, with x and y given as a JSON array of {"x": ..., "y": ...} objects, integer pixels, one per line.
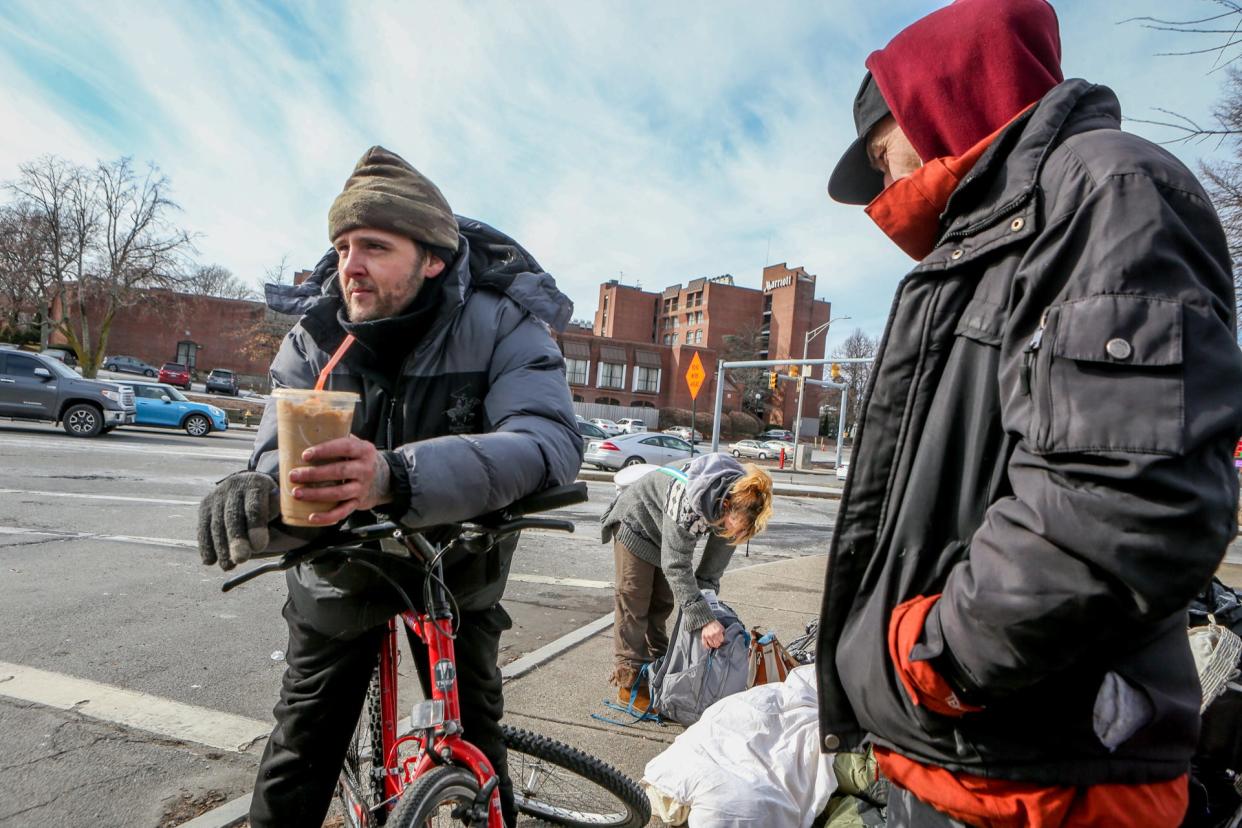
[
  {"x": 1046, "y": 444},
  {"x": 479, "y": 417}
]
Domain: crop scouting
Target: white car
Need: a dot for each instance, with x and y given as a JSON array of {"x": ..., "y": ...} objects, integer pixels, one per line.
[
  {"x": 777, "y": 445},
  {"x": 684, "y": 433},
  {"x": 632, "y": 449},
  {"x": 843, "y": 470},
  {"x": 631, "y": 425},
  {"x": 607, "y": 426}
]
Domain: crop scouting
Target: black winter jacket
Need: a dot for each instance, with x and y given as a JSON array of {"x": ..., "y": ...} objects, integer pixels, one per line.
[{"x": 1045, "y": 441}]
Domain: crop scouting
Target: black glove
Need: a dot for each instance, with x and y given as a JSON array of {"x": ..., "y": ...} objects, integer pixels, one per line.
[{"x": 233, "y": 520}]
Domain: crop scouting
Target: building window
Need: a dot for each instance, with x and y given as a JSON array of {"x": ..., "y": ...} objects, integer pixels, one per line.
[
  {"x": 646, "y": 380},
  {"x": 698, "y": 318},
  {"x": 642, "y": 404},
  {"x": 611, "y": 375},
  {"x": 606, "y": 401},
  {"x": 698, "y": 336},
  {"x": 577, "y": 371},
  {"x": 676, "y": 322},
  {"x": 578, "y": 398},
  {"x": 689, "y": 337}
]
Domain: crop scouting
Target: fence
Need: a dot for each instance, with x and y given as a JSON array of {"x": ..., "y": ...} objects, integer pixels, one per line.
[{"x": 590, "y": 411}]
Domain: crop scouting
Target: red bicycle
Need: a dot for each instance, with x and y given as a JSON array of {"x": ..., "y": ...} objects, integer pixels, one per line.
[{"x": 422, "y": 771}]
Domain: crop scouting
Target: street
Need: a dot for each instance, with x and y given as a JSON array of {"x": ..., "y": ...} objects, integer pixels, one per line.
[{"x": 102, "y": 597}]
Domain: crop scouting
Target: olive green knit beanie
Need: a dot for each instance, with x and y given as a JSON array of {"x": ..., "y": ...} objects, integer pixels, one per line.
[{"x": 384, "y": 191}]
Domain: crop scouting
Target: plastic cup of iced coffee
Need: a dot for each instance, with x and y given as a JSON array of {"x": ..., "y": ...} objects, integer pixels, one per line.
[{"x": 304, "y": 418}]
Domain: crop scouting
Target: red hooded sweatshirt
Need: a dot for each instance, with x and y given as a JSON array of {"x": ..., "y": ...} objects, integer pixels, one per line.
[{"x": 953, "y": 80}]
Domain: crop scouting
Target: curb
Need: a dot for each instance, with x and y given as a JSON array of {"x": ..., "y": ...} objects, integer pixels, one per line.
[{"x": 227, "y": 815}]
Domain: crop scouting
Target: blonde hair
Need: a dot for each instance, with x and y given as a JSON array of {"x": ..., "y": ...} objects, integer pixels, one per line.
[{"x": 751, "y": 496}]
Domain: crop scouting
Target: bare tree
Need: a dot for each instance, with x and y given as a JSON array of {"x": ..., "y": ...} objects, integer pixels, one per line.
[
  {"x": 215, "y": 280},
  {"x": 50, "y": 188},
  {"x": 855, "y": 374},
  {"x": 20, "y": 259},
  {"x": 752, "y": 383}
]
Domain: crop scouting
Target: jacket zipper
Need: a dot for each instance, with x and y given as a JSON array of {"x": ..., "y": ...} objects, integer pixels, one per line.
[{"x": 1030, "y": 352}]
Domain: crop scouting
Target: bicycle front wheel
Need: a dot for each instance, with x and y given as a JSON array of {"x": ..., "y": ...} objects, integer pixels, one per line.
[
  {"x": 564, "y": 786},
  {"x": 438, "y": 797}
]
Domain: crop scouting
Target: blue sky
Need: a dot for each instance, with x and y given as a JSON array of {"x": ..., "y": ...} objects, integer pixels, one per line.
[{"x": 655, "y": 142}]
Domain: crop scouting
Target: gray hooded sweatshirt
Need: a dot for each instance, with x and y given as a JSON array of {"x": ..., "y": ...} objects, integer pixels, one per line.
[{"x": 660, "y": 519}]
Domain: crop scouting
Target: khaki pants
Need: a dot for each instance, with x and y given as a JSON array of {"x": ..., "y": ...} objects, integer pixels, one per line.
[{"x": 643, "y": 604}]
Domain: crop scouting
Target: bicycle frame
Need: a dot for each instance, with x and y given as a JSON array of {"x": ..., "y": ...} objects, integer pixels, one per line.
[{"x": 445, "y": 744}]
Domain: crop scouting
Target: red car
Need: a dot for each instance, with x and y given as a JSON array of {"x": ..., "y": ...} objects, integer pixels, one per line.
[{"x": 174, "y": 373}]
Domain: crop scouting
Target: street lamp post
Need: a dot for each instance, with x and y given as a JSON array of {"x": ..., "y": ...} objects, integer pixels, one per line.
[{"x": 806, "y": 343}]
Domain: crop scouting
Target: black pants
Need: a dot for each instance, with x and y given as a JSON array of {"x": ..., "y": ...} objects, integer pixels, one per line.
[{"x": 321, "y": 697}]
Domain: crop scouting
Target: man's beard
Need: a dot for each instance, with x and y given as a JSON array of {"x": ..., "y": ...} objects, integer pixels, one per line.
[{"x": 388, "y": 304}]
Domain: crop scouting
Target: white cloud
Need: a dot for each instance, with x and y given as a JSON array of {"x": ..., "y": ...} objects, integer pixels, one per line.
[{"x": 665, "y": 141}]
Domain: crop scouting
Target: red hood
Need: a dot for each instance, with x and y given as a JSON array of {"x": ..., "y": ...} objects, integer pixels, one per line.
[{"x": 959, "y": 74}]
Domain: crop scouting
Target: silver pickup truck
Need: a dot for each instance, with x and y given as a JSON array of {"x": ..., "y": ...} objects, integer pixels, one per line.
[{"x": 35, "y": 387}]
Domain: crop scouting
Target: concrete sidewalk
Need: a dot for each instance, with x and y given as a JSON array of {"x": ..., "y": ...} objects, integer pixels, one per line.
[{"x": 558, "y": 698}]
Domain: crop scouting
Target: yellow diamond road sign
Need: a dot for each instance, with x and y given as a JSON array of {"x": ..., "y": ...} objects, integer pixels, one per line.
[{"x": 695, "y": 376}]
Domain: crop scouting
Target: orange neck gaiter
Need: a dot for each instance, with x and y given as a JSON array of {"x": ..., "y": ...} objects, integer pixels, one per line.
[{"x": 908, "y": 210}]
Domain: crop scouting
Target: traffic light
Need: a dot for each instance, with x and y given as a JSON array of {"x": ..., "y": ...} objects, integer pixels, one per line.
[
  {"x": 836, "y": 372},
  {"x": 772, "y": 380},
  {"x": 793, "y": 370}
]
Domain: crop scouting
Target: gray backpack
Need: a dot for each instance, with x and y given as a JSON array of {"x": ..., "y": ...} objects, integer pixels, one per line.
[{"x": 690, "y": 678}]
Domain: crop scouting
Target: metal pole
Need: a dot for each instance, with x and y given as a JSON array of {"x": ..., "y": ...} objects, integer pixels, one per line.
[
  {"x": 845, "y": 396},
  {"x": 806, "y": 341},
  {"x": 694, "y": 407},
  {"x": 719, "y": 408}
]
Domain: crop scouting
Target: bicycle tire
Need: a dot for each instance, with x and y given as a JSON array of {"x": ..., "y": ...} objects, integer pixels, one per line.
[
  {"x": 431, "y": 792},
  {"x": 358, "y": 777},
  {"x": 535, "y": 760}
]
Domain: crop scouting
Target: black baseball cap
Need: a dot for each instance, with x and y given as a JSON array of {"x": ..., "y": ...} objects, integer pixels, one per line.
[{"x": 854, "y": 180}]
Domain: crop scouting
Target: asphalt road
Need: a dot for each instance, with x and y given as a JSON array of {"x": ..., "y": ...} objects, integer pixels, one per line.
[{"x": 102, "y": 595}]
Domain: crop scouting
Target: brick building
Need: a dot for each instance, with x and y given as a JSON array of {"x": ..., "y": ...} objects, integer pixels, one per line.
[
  {"x": 204, "y": 332},
  {"x": 642, "y": 342}
]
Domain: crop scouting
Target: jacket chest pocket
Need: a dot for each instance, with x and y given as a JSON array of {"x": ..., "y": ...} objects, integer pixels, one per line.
[{"x": 1105, "y": 374}]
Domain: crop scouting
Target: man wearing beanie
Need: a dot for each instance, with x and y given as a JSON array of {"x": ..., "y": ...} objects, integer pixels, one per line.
[
  {"x": 1042, "y": 480},
  {"x": 463, "y": 409}
]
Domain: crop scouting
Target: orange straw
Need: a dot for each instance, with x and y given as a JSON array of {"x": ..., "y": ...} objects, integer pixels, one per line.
[{"x": 327, "y": 369}]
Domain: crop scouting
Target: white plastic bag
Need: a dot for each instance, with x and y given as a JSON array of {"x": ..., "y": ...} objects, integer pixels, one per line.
[{"x": 752, "y": 761}]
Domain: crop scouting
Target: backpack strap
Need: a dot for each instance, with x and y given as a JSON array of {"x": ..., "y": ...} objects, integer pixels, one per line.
[{"x": 674, "y": 473}]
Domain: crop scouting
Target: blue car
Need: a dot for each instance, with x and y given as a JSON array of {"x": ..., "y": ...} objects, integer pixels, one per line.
[{"x": 162, "y": 405}]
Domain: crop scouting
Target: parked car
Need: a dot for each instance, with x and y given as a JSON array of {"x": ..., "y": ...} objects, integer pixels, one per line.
[
  {"x": 589, "y": 433},
  {"x": 163, "y": 406},
  {"x": 174, "y": 373},
  {"x": 222, "y": 380},
  {"x": 777, "y": 434},
  {"x": 36, "y": 387},
  {"x": 61, "y": 355},
  {"x": 607, "y": 426},
  {"x": 752, "y": 448},
  {"x": 631, "y": 449},
  {"x": 843, "y": 470},
  {"x": 777, "y": 445},
  {"x": 684, "y": 433},
  {"x": 128, "y": 365},
  {"x": 632, "y": 425}
]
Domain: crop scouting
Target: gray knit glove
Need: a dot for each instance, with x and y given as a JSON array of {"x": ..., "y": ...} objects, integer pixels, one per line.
[{"x": 233, "y": 519}]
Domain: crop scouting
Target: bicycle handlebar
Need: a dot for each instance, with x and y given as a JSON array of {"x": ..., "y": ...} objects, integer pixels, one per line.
[{"x": 501, "y": 522}]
